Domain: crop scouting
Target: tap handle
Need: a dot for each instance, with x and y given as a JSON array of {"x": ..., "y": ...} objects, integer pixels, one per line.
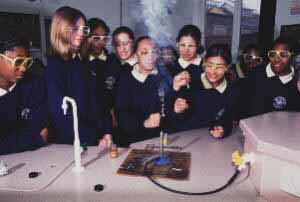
[{"x": 64, "y": 106}]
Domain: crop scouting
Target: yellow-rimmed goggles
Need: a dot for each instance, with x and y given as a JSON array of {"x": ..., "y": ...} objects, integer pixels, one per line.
[
  {"x": 18, "y": 62},
  {"x": 213, "y": 66}
]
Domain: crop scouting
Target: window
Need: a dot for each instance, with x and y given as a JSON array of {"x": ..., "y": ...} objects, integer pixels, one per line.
[
  {"x": 219, "y": 21},
  {"x": 249, "y": 22},
  {"x": 220, "y": 18},
  {"x": 23, "y": 24},
  {"x": 27, "y": 25},
  {"x": 160, "y": 18}
]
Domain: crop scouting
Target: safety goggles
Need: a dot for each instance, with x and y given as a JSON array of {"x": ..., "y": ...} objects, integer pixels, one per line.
[
  {"x": 212, "y": 66},
  {"x": 252, "y": 58},
  {"x": 18, "y": 62},
  {"x": 167, "y": 56},
  {"x": 155, "y": 52},
  {"x": 123, "y": 43},
  {"x": 280, "y": 54},
  {"x": 98, "y": 38},
  {"x": 186, "y": 45},
  {"x": 85, "y": 30}
]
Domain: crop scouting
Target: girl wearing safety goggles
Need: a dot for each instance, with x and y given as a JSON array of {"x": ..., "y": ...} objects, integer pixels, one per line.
[
  {"x": 23, "y": 100},
  {"x": 138, "y": 106},
  {"x": 188, "y": 45},
  {"x": 95, "y": 44},
  {"x": 273, "y": 87},
  {"x": 251, "y": 58},
  {"x": 210, "y": 103},
  {"x": 67, "y": 75},
  {"x": 95, "y": 54}
]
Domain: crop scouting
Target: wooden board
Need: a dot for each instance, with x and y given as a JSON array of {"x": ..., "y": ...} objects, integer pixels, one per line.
[{"x": 177, "y": 169}]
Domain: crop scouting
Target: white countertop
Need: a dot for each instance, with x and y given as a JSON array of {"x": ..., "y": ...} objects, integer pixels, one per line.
[
  {"x": 275, "y": 133},
  {"x": 210, "y": 168}
]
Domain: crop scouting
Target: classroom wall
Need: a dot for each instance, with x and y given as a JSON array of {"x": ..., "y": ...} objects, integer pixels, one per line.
[{"x": 108, "y": 10}]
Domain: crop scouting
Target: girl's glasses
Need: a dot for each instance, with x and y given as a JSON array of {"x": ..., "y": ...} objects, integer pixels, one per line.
[
  {"x": 281, "y": 54},
  {"x": 212, "y": 66},
  {"x": 155, "y": 52},
  {"x": 123, "y": 43},
  {"x": 252, "y": 58},
  {"x": 98, "y": 38},
  {"x": 167, "y": 56},
  {"x": 185, "y": 45},
  {"x": 18, "y": 62},
  {"x": 83, "y": 29}
]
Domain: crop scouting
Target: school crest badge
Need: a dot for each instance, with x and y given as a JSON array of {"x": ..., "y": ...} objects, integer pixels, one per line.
[
  {"x": 279, "y": 102},
  {"x": 25, "y": 115},
  {"x": 110, "y": 82}
]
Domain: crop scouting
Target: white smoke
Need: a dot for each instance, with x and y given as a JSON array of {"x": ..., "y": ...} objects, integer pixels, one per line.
[{"x": 157, "y": 17}]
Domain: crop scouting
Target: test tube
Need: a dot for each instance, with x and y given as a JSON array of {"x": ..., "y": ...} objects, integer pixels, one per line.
[
  {"x": 165, "y": 140},
  {"x": 114, "y": 151}
]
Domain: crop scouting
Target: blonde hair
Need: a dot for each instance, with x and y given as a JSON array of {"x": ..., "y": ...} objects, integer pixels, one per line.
[{"x": 64, "y": 18}]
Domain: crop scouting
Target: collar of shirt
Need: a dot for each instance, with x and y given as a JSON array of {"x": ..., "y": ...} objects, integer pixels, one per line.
[
  {"x": 131, "y": 61},
  {"x": 76, "y": 55},
  {"x": 139, "y": 76},
  {"x": 4, "y": 92},
  {"x": 184, "y": 64},
  {"x": 220, "y": 88},
  {"x": 284, "y": 79},
  {"x": 102, "y": 56},
  {"x": 239, "y": 70}
]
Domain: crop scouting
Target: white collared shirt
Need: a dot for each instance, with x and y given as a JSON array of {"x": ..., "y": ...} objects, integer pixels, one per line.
[
  {"x": 76, "y": 54},
  {"x": 184, "y": 64},
  {"x": 139, "y": 76},
  {"x": 4, "y": 92},
  {"x": 284, "y": 79},
  {"x": 131, "y": 61},
  {"x": 102, "y": 56},
  {"x": 239, "y": 71},
  {"x": 206, "y": 84}
]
